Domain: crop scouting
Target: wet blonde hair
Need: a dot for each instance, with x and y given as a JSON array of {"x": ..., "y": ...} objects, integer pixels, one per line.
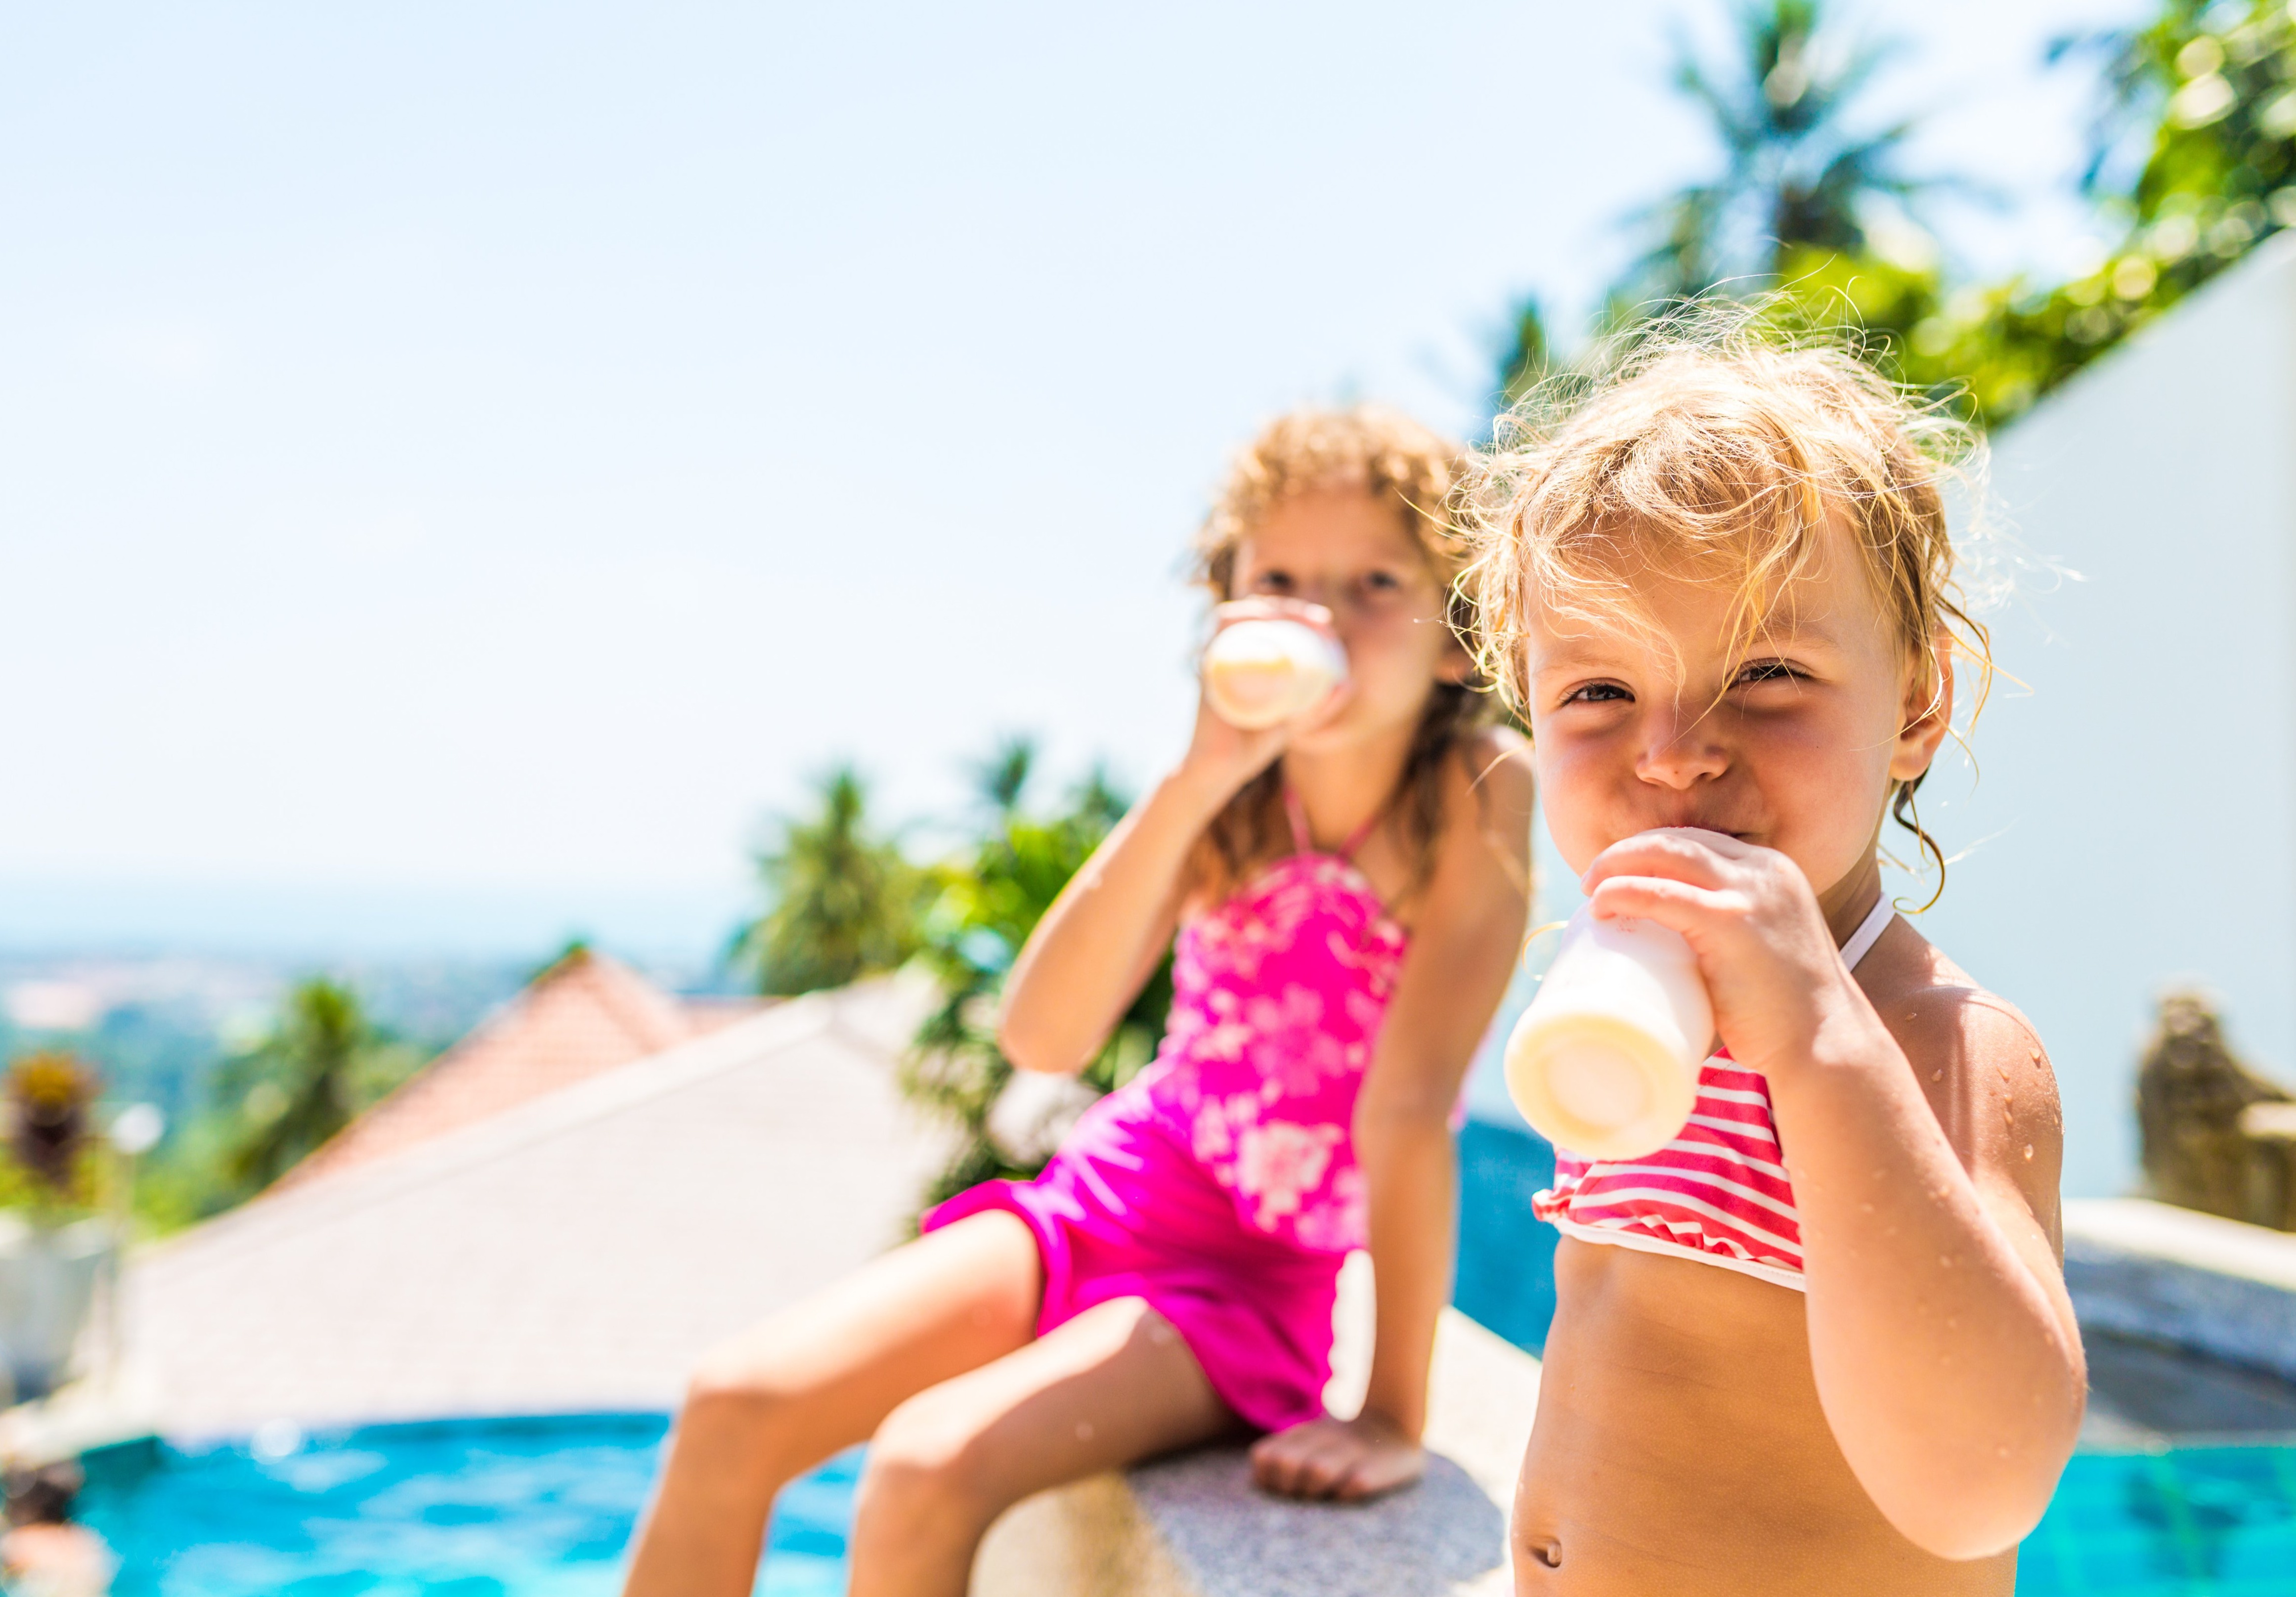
[
  {"x": 1417, "y": 472},
  {"x": 1713, "y": 446}
]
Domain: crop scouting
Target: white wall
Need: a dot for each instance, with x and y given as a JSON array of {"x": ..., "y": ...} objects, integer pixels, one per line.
[{"x": 2134, "y": 822}]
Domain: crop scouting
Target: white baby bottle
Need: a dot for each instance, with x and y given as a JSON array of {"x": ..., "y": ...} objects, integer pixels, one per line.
[
  {"x": 1261, "y": 672},
  {"x": 1605, "y": 1063}
]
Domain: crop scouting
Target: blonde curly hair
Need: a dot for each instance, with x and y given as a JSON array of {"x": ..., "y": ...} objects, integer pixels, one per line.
[
  {"x": 1384, "y": 453},
  {"x": 1717, "y": 446}
]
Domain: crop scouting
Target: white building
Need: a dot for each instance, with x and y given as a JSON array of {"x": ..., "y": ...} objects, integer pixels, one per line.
[{"x": 2133, "y": 822}]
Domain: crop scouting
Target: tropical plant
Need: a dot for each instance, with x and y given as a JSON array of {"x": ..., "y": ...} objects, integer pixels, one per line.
[
  {"x": 322, "y": 1063},
  {"x": 842, "y": 901},
  {"x": 48, "y": 1095},
  {"x": 1808, "y": 197},
  {"x": 2194, "y": 160},
  {"x": 991, "y": 897},
  {"x": 2193, "y": 164},
  {"x": 1800, "y": 171}
]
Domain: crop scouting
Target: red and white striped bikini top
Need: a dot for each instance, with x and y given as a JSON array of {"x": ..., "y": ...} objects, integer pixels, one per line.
[{"x": 1717, "y": 1193}]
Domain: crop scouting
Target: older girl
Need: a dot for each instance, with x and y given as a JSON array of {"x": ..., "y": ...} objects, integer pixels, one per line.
[
  {"x": 1348, "y": 892},
  {"x": 1820, "y": 1342}
]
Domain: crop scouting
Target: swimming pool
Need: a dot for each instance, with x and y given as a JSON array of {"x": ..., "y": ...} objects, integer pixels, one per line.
[
  {"x": 542, "y": 1508},
  {"x": 492, "y": 1508}
]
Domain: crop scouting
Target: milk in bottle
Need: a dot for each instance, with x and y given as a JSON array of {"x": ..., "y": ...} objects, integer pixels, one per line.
[{"x": 1605, "y": 1063}]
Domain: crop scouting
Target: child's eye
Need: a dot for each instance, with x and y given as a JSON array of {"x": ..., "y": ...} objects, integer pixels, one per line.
[
  {"x": 1272, "y": 582},
  {"x": 1766, "y": 670},
  {"x": 1599, "y": 693},
  {"x": 1382, "y": 582}
]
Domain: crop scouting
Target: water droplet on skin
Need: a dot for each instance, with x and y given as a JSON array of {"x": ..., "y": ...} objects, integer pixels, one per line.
[
  {"x": 2028, "y": 1151},
  {"x": 1937, "y": 1076},
  {"x": 1952, "y": 1323},
  {"x": 1867, "y": 1206},
  {"x": 2001, "y": 1453},
  {"x": 1084, "y": 1431},
  {"x": 1946, "y": 1259}
]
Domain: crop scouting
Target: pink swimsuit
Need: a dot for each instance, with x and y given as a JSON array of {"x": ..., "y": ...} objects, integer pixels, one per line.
[{"x": 1220, "y": 1183}]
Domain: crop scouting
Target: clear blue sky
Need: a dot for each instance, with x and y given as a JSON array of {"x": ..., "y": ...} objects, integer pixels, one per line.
[{"x": 457, "y": 456}]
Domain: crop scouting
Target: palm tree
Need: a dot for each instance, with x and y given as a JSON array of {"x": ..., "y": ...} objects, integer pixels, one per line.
[
  {"x": 300, "y": 1085},
  {"x": 1797, "y": 175},
  {"x": 841, "y": 902},
  {"x": 991, "y": 897}
]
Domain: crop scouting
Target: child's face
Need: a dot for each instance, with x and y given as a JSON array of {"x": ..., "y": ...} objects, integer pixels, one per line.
[
  {"x": 1789, "y": 741},
  {"x": 1351, "y": 554}
]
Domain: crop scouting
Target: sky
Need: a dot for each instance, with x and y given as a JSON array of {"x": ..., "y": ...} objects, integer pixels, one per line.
[{"x": 464, "y": 467}]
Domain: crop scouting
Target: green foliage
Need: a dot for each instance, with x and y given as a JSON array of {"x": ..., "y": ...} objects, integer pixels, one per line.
[
  {"x": 2207, "y": 94},
  {"x": 1529, "y": 355},
  {"x": 323, "y": 1063},
  {"x": 1798, "y": 174},
  {"x": 842, "y": 901},
  {"x": 2194, "y": 163},
  {"x": 991, "y": 897}
]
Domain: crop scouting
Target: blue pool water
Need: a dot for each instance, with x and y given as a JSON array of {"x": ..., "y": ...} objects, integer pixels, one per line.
[
  {"x": 542, "y": 1508},
  {"x": 493, "y": 1508}
]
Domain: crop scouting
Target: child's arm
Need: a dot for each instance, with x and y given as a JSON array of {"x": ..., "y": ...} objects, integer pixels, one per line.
[
  {"x": 1101, "y": 939},
  {"x": 1464, "y": 949},
  {"x": 1923, "y": 1146}
]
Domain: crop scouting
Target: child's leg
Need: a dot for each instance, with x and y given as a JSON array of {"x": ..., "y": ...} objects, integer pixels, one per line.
[
  {"x": 782, "y": 1396},
  {"x": 1113, "y": 1385}
]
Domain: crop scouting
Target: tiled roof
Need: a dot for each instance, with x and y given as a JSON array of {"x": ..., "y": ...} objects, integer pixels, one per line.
[
  {"x": 585, "y": 1015},
  {"x": 576, "y": 1253}
]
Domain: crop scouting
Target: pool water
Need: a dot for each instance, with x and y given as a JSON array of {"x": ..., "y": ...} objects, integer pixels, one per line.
[
  {"x": 2219, "y": 1521},
  {"x": 545, "y": 1507},
  {"x": 494, "y": 1508}
]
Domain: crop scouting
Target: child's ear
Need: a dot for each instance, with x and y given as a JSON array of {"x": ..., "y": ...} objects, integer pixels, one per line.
[{"x": 1928, "y": 709}]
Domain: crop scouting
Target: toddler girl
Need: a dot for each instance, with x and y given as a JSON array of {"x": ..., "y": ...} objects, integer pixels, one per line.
[
  {"x": 1348, "y": 893},
  {"x": 1820, "y": 1342}
]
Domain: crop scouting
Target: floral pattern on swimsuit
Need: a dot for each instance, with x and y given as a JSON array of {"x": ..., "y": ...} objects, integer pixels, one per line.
[{"x": 1278, "y": 994}]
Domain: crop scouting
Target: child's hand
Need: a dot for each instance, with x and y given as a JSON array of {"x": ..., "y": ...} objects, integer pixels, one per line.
[
  {"x": 1228, "y": 755},
  {"x": 1341, "y": 1460},
  {"x": 1769, "y": 960}
]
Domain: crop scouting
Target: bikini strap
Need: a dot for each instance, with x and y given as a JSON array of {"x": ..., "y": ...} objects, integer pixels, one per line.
[
  {"x": 1362, "y": 834},
  {"x": 1869, "y": 931},
  {"x": 1303, "y": 841}
]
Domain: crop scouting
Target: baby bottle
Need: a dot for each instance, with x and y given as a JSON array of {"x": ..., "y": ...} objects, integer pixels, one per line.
[
  {"x": 1257, "y": 674},
  {"x": 1605, "y": 1063}
]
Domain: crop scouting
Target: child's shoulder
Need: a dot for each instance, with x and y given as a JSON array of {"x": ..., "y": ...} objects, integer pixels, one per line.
[
  {"x": 1937, "y": 1006},
  {"x": 1978, "y": 1060},
  {"x": 1493, "y": 766}
]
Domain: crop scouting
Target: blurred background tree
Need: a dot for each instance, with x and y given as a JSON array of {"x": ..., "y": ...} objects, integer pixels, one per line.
[
  {"x": 842, "y": 901},
  {"x": 49, "y": 1098},
  {"x": 1808, "y": 192},
  {"x": 322, "y": 1063},
  {"x": 1804, "y": 173},
  {"x": 990, "y": 896},
  {"x": 2193, "y": 164}
]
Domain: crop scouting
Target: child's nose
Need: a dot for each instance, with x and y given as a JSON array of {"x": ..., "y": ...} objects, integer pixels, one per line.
[{"x": 1681, "y": 751}]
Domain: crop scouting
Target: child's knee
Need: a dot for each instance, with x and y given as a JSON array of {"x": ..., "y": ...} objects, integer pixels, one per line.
[
  {"x": 726, "y": 1388},
  {"x": 927, "y": 1471}
]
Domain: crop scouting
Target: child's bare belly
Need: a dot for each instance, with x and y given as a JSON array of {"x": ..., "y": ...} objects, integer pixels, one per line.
[{"x": 1680, "y": 1449}]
